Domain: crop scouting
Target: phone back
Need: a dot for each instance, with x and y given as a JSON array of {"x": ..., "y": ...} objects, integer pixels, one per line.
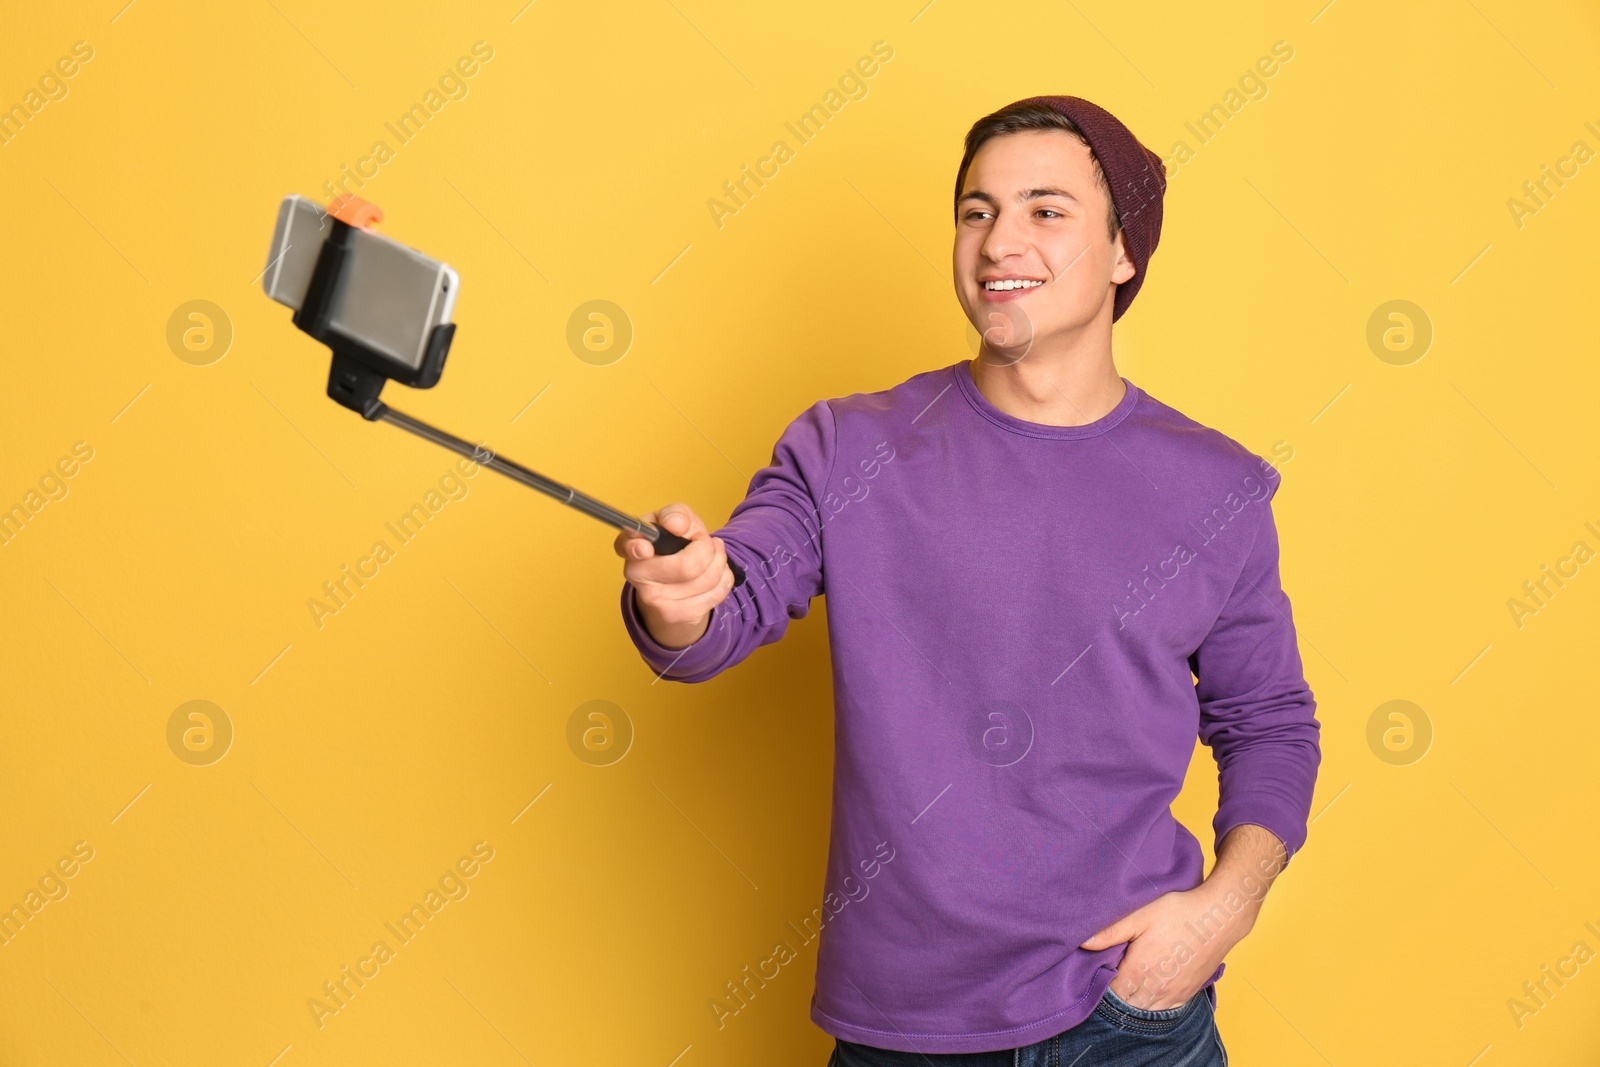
[{"x": 390, "y": 296}]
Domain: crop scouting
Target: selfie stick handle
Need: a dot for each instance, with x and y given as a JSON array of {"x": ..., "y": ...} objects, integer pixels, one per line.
[{"x": 665, "y": 541}]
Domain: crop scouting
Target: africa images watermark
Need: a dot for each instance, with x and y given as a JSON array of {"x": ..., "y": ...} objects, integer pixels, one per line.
[
  {"x": 740, "y": 991},
  {"x": 52, "y": 886},
  {"x": 1252, "y": 86},
  {"x": 852, "y": 85},
  {"x": 1254, "y": 490},
  {"x": 1252, "y": 890},
  {"x": 1538, "y": 192},
  {"x": 342, "y": 589},
  {"x": 1538, "y": 992},
  {"x": 338, "y": 992},
  {"x": 53, "y": 87},
  {"x": 52, "y": 487},
  {"x": 452, "y": 85},
  {"x": 855, "y": 489},
  {"x": 1538, "y": 592}
]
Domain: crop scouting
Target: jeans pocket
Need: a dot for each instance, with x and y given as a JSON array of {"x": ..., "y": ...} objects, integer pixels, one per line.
[{"x": 1134, "y": 1019}]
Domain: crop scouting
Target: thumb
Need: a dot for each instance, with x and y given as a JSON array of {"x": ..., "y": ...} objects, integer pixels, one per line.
[
  {"x": 675, "y": 520},
  {"x": 1124, "y": 929}
]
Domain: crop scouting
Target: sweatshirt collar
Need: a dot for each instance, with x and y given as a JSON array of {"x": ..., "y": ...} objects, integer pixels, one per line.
[{"x": 962, "y": 373}]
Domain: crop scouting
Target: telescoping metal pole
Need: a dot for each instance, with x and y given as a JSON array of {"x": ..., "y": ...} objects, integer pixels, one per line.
[{"x": 665, "y": 541}]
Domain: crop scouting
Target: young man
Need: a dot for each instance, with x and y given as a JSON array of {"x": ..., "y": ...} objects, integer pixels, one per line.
[{"x": 1042, "y": 584}]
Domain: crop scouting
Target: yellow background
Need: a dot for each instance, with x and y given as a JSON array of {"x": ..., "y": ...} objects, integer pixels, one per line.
[{"x": 370, "y": 754}]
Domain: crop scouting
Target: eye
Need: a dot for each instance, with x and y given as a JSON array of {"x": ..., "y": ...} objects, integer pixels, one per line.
[
  {"x": 973, "y": 213},
  {"x": 1049, "y": 211}
]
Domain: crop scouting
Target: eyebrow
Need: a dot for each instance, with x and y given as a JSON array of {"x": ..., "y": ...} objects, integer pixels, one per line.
[{"x": 1022, "y": 197}]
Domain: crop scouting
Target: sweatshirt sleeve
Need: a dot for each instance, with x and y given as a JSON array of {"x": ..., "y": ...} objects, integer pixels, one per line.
[
  {"x": 1257, "y": 715},
  {"x": 775, "y": 534}
]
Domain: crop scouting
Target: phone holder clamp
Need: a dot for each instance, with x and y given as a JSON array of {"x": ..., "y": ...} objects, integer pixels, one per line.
[{"x": 356, "y": 378}]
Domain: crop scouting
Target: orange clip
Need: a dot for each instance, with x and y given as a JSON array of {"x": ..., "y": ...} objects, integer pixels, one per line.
[{"x": 354, "y": 211}]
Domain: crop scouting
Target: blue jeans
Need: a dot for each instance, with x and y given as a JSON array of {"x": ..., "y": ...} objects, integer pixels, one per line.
[{"x": 1117, "y": 1034}]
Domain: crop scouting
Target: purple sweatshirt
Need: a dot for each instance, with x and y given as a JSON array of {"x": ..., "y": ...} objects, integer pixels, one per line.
[{"x": 1018, "y": 614}]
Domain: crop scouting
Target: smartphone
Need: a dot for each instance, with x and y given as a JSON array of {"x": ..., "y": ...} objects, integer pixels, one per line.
[{"x": 389, "y": 297}]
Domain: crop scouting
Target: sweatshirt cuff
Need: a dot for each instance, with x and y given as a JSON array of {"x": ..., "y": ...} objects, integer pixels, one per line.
[
  {"x": 1266, "y": 810},
  {"x": 695, "y": 663}
]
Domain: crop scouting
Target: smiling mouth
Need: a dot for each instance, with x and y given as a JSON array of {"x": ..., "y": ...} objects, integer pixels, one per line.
[{"x": 1008, "y": 284}]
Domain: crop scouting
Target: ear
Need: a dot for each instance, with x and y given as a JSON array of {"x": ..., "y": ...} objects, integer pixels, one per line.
[{"x": 1123, "y": 266}]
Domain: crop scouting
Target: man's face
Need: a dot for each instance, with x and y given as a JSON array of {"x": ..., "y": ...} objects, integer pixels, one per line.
[{"x": 1031, "y": 208}]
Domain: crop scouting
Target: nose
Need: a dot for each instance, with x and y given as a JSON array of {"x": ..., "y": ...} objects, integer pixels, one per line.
[{"x": 1005, "y": 237}]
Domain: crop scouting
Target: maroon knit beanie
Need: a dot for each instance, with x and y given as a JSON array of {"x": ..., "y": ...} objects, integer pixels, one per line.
[{"x": 1137, "y": 178}]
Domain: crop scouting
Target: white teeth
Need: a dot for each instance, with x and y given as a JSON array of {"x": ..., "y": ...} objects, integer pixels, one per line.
[{"x": 1010, "y": 283}]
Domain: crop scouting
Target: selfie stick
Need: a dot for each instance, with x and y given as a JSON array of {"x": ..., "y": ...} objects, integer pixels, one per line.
[{"x": 358, "y": 375}]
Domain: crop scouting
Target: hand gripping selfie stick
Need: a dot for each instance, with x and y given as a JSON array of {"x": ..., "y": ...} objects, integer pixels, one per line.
[{"x": 359, "y": 373}]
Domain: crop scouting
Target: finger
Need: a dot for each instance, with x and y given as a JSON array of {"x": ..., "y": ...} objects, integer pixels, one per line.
[
  {"x": 1114, "y": 934},
  {"x": 695, "y": 559},
  {"x": 1146, "y": 995},
  {"x": 707, "y": 579},
  {"x": 681, "y": 520},
  {"x": 679, "y": 576},
  {"x": 672, "y": 569},
  {"x": 630, "y": 544},
  {"x": 1129, "y": 991},
  {"x": 703, "y": 603},
  {"x": 681, "y": 603}
]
